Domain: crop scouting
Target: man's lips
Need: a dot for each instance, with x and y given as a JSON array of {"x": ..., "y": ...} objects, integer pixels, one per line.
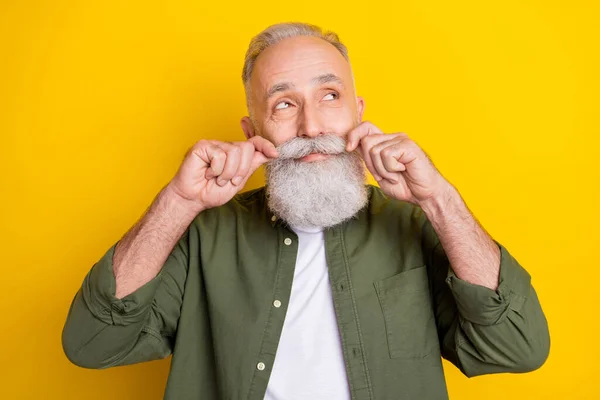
[{"x": 315, "y": 157}]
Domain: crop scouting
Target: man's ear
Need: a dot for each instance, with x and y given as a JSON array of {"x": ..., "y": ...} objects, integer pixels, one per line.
[
  {"x": 247, "y": 127},
  {"x": 360, "y": 107}
]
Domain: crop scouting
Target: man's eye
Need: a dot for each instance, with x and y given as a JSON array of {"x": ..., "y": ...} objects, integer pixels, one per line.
[
  {"x": 330, "y": 96},
  {"x": 282, "y": 106}
]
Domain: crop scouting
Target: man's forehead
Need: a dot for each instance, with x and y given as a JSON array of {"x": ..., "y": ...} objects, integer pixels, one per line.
[{"x": 299, "y": 61}]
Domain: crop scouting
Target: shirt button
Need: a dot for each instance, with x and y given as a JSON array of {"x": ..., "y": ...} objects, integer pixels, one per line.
[
  {"x": 273, "y": 218},
  {"x": 277, "y": 303},
  {"x": 287, "y": 241},
  {"x": 260, "y": 366}
]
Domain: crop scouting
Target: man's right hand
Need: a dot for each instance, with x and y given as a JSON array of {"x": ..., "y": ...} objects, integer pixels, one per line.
[{"x": 213, "y": 171}]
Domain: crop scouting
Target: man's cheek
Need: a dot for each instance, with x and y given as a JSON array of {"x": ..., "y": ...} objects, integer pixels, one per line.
[
  {"x": 280, "y": 134},
  {"x": 342, "y": 120}
]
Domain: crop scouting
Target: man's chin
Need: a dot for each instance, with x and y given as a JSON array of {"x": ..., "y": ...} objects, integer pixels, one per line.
[{"x": 316, "y": 193}]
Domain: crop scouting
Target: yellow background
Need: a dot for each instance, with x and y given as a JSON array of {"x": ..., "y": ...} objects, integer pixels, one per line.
[{"x": 100, "y": 100}]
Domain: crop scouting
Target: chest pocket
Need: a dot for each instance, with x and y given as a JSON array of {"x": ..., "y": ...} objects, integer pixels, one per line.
[{"x": 409, "y": 321}]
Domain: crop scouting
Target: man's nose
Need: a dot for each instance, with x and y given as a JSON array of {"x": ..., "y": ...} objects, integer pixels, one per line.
[{"x": 311, "y": 124}]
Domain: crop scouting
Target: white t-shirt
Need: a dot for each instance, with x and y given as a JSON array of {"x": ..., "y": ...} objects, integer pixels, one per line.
[{"x": 309, "y": 363}]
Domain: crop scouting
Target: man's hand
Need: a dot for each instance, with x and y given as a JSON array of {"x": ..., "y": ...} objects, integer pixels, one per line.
[
  {"x": 401, "y": 168},
  {"x": 213, "y": 171}
]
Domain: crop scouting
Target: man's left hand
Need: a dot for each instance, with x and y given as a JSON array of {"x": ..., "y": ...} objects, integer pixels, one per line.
[{"x": 399, "y": 165}]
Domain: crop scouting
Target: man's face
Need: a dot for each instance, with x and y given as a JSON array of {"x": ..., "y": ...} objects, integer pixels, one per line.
[{"x": 302, "y": 87}]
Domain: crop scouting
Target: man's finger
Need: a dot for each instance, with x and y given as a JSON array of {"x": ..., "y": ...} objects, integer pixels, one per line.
[
  {"x": 245, "y": 162},
  {"x": 365, "y": 146},
  {"x": 214, "y": 157},
  {"x": 378, "y": 153},
  {"x": 392, "y": 155},
  {"x": 231, "y": 164},
  {"x": 355, "y": 135},
  {"x": 264, "y": 146}
]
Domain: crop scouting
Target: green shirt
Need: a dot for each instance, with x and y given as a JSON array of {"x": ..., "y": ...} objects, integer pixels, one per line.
[{"x": 399, "y": 306}]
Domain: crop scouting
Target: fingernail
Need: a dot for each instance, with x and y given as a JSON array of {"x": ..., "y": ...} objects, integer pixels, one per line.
[
  {"x": 221, "y": 182},
  {"x": 237, "y": 180}
]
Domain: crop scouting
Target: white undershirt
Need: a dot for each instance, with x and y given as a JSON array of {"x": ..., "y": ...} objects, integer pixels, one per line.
[{"x": 309, "y": 363}]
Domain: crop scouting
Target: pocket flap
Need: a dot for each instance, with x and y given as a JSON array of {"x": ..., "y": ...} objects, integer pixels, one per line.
[{"x": 412, "y": 280}]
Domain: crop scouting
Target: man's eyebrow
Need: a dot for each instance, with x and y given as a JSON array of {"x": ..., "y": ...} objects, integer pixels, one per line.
[
  {"x": 278, "y": 87},
  {"x": 327, "y": 78},
  {"x": 318, "y": 80}
]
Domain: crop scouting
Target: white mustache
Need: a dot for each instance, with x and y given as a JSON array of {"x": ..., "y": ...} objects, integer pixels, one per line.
[{"x": 299, "y": 147}]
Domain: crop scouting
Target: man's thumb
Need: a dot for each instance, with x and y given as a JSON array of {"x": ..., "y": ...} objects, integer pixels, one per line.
[{"x": 258, "y": 160}]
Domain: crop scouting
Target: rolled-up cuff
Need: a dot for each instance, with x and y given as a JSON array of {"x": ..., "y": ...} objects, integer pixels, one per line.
[
  {"x": 99, "y": 289},
  {"x": 484, "y": 306}
]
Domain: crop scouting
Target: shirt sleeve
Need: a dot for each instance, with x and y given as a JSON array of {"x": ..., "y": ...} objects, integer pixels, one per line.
[
  {"x": 98, "y": 292},
  {"x": 484, "y": 306},
  {"x": 102, "y": 331},
  {"x": 481, "y": 330}
]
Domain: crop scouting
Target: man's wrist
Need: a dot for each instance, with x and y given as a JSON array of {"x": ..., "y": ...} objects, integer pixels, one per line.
[
  {"x": 446, "y": 198},
  {"x": 186, "y": 206}
]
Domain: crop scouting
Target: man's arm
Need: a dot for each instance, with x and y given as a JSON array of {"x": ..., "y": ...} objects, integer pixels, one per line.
[
  {"x": 473, "y": 255},
  {"x": 141, "y": 253},
  {"x": 487, "y": 312},
  {"x": 128, "y": 307}
]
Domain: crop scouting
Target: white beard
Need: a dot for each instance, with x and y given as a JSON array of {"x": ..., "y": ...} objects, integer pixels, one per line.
[{"x": 317, "y": 194}]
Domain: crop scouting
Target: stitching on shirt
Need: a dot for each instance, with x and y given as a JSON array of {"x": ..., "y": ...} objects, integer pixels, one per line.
[
  {"x": 352, "y": 296},
  {"x": 152, "y": 332},
  {"x": 123, "y": 354},
  {"x": 458, "y": 340},
  {"x": 83, "y": 346}
]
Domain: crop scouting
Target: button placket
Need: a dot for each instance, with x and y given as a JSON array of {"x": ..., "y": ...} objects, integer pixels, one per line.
[{"x": 287, "y": 250}]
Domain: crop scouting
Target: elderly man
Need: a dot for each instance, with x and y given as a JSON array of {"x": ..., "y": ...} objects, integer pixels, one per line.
[{"x": 316, "y": 286}]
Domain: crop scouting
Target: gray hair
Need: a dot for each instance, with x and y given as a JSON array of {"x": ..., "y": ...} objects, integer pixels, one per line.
[
  {"x": 278, "y": 32},
  {"x": 317, "y": 194}
]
